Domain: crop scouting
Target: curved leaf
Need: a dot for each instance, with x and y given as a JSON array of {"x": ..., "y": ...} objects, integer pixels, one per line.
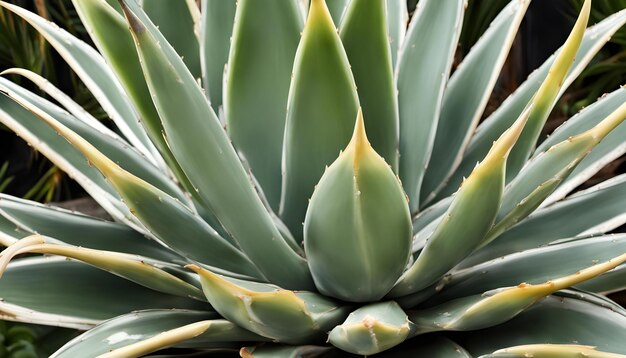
[
  {"x": 94, "y": 72},
  {"x": 423, "y": 68},
  {"x": 51, "y": 291},
  {"x": 218, "y": 17},
  {"x": 264, "y": 43},
  {"x": 370, "y": 62},
  {"x": 467, "y": 94},
  {"x": 280, "y": 315},
  {"x": 323, "y": 103},
  {"x": 595, "y": 37},
  {"x": 80, "y": 230},
  {"x": 555, "y": 320},
  {"x": 197, "y": 139},
  {"x": 464, "y": 225},
  {"x": 176, "y": 23}
]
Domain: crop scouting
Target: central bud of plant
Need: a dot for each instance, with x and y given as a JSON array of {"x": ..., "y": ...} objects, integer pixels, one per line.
[{"x": 357, "y": 230}]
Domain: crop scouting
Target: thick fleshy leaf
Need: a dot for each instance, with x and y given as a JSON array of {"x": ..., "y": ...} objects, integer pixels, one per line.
[
  {"x": 498, "y": 306},
  {"x": 595, "y": 37},
  {"x": 557, "y": 162},
  {"x": 370, "y": 62},
  {"x": 139, "y": 326},
  {"x": 609, "y": 149},
  {"x": 9, "y": 232},
  {"x": 218, "y": 17},
  {"x": 323, "y": 103},
  {"x": 467, "y": 220},
  {"x": 556, "y": 260},
  {"x": 281, "y": 315},
  {"x": 63, "y": 99},
  {"x": 547, "y": 94},
  {"x": 94, "y": 72},
  {"x": 372, "y": 329},
  {"x": 397, "y": 20},
  {"x": 176, "y": 23},
  {"x": 104, "y": 23},
  {"x": 139, "y": 269},
  {"x": 555, "y": 320},
  {"x": 51, "y": 291},
  {"x": 80, "y": 230},
  {"x": 610, "y": 282},
  {"x": 423, "y": 68},
  {"x": 160, "y": 213},
  {"x": 197, "y": 139},
  {"x": 551, "y": 351},
  {"x": 467, "y": 94},
  {"x": 596, "y": 210},
  {"x": 128, "y": 329},
  {"x": 62, "y": 154},
  {"x": 103, "y": 139},
  {"x": 357, "y": 209},
  {"x": 264, "y": 43},
  {"x": 280, "y": 351}
]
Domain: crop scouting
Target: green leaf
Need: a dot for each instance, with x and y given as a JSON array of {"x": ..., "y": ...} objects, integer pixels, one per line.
[
  {"x": 557, "y": 260},
  {"x": 372, "y": 329},
  {"x": 176, "y": 23},
  {"x": 264, "y": 43},
  {"x": 397, "y": 19},
  {"x": 467, "y": 94},
  {"x": 65, "y": 156},
  {"x": 555, "y": 320},
  {"x": 609, "y": 149},
  {"x": 595, "y": 37},
  {"x": 467, "y": 220},
  {"x": 9, "y": 232},
  {"x": 103, "y": 139},
  {"x": 95, "y": 74},
  {"x": 197, "y": 139},
  {"x": 281, "y": 315},
  {"x": 546, "y": 95},
  {"x": 139, "y": 326},
  {"x": 218, "y": 17},
  {"x": 358, "y": 209},
  {"x": 71, "y": 228},
  {"x": 47, "y": 291},
  {"x": 370, "y": 62},
  {"x": 281, "y": 351},
  {"x": 551, "y": 351},
  {"x": 323, "y": 103},
  {"x": 557, "y": 162},
  {"x": 139, "y": 269},
  {"x": 596, "y": 210},
  {"x": 423, "y": 68},
  {"x": 161, "y": 213},
  {"x": 105, "y": 23},
  {"x": 500, "y": 305}
]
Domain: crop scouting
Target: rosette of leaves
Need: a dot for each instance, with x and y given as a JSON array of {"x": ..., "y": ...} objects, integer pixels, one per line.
[{"x": 303, "y": 181}]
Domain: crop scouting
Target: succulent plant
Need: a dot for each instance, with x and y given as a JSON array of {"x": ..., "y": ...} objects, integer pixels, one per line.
[{"x": 298, "y": 190}]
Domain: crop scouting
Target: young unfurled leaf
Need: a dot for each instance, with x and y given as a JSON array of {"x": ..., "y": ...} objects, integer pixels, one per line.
[
  {"x": 323, "y": 103},
  {"x": 357, "y": 232}
]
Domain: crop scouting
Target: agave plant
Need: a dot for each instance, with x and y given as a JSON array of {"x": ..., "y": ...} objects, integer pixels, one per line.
[{"x": 309, "y": 200}]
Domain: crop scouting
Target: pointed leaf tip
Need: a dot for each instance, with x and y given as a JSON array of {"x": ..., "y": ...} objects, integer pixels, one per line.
[
  {"x": 359, "y": 140},
  {"x": 135, "y": 25}
]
